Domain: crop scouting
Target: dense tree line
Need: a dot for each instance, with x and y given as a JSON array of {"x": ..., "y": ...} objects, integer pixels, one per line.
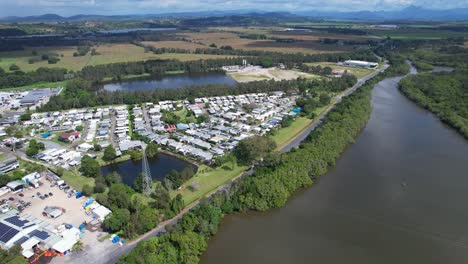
[
  {"x": 81, "y": 93},
  {"x": 444, "y": 94},
  {"x": 19, "y": 78}
]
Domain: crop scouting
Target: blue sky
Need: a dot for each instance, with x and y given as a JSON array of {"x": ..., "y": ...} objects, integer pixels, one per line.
[{"x": 116, "y": 7}]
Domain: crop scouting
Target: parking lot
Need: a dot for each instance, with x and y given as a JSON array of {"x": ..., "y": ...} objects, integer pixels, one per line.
[{"x": 74, "y": 212}]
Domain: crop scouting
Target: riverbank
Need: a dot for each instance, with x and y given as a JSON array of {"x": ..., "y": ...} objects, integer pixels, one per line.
[{"x": 441, "y": 93}]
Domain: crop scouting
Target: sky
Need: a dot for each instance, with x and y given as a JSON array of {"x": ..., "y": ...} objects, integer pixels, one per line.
[{"x": 122, "y": 7}]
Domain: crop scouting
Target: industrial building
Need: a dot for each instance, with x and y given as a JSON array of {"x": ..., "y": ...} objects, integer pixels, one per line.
[{"x": 360, "y": 64}]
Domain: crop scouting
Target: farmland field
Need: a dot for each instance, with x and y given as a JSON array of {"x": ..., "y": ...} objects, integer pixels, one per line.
[
  {"x": 108, "y": 53},
  {"x": 235, "y": 41},
  {"x": 176, "y": 44}
]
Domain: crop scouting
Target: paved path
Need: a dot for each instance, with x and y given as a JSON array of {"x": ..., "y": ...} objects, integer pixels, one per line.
[{"x": 107, "y": 253}]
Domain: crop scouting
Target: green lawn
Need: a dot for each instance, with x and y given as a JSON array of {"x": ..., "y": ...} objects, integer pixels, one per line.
[
  {"x": 208, "y": 179},
  {"x": 183, "y": 116},
  {"x": 2, "y": 155},
  {"x": 76, "y": 180}
]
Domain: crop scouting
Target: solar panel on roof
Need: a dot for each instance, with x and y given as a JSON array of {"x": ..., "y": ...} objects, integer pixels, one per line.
[
  {"x": 16, "y": 221},
  {"x": 21, "y": 240},
  {"x": 28, "y": 226},
  {"x": 39, "y": 234},
  {"x": 7, "y": 233}
]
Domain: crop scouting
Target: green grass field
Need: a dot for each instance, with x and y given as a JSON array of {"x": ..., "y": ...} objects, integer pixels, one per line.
[
  {"x": 358, "y": 72},
  {"x": 109, "y": 53},
  {"x": 208, "y": 180}
]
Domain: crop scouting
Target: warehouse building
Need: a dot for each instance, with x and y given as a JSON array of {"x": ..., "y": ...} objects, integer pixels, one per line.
[{"x": 360, "y": 64}]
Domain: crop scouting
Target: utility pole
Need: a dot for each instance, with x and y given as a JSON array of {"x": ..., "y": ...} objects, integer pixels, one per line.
[{"x": 147, "y": 180}]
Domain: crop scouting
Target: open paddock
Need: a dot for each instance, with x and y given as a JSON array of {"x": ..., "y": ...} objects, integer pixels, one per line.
[
  {"x": 235, "y": 41},
  {"x": 358, "y": 72},
  {"x": 108, "y": 53},
  {"x": 262, "y": 74},
  {"x": 176, "y": 44}
]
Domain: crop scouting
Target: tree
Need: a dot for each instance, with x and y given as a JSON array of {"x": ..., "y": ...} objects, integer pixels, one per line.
[
  {"x": 266, "y": 62},
  {"x": 138, "y": 183},
  {"x": 177, "y": 204},
  {"x": 34, "y": 147},
  {"x": 109, "y": 153},
  {"x": 100, "y": 184},
  {"x": 87, "y": 190},
  {"x": 203, "y": 118},
  {"x": 287, "y": 121},
  {"x": 79, "y": 128},
  {"x": 151, "y": 150},
  {"x": 89, "y": 167},
  {"x": 254, "y": 148},
  {"x": 190, "y": 245},
  {"x": 187, "y": 173},
  {"x": 119, "y": 195},
  {"x": 97, "y": 147},
  {"x": 118, "y": 220},
  {"x": 14, "y": 67},
  {"x": 135, "y": 154},
  {"x": 324, "y": 99},
  {"x": 112, "y": 178},
  {"x": 25, "y": 117}
]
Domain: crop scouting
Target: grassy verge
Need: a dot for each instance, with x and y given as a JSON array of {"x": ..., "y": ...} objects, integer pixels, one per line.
[
  {"x": 284, "y": 135},
  {"x": 208, "y": 180},
  {"x": 122, "y": 158}
]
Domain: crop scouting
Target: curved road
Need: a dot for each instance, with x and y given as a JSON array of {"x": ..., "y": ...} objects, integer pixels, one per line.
[{"x": 106, "y": 252}]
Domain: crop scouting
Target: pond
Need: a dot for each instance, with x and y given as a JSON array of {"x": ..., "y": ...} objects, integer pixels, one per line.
[
  {"x": 160, "y": 166},
  {"x": 170, "y": 81}
]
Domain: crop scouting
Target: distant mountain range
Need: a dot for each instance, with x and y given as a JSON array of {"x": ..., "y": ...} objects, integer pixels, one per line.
[{"x": 412, "y": 13}]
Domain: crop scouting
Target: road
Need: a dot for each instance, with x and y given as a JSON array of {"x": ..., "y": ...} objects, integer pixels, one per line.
[{"x": 108, "y": 253}]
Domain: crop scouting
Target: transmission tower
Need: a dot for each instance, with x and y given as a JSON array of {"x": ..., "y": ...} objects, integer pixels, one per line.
[{"x": 147, "y": 180}]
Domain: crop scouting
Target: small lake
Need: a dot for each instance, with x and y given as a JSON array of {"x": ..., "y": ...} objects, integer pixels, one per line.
[
  {"x": 170, "y": 81},
  {"x": 160, "y": 166}
]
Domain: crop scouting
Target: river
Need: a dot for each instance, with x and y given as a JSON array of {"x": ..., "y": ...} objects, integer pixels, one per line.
[
  {"x": 170, "y": 81},
  {"x": 160, "y": 166},
  {"x": 398, "y": 195}
]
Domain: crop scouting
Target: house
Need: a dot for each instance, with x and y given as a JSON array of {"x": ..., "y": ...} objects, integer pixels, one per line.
[
  {"x": 9, "y": 166},
  {"x": 15, "y": 186},
  {"x": 52, "y": 212},
  {"x": 130, "y": 145},
  {"x": 65, "y": 137},
  {"x": 85, "y": 147}
]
